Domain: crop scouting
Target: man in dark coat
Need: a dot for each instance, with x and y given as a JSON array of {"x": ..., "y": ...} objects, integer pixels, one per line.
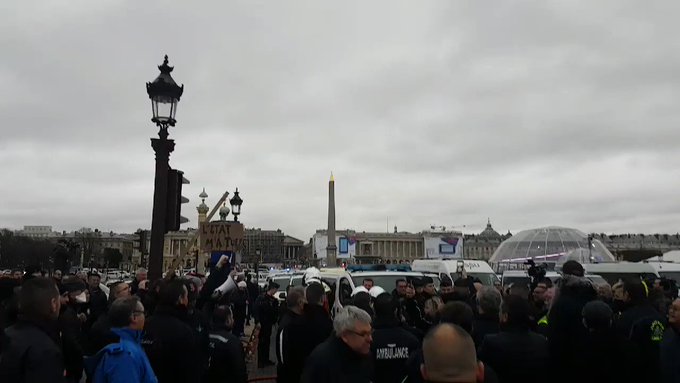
[
  {"x": 565, "y": 325},
  {"x": 169, "y": 341},
  {"x": 516, "y": 354},
  {"x": 600, "y": 355},
  {"x": 239, "y": 301},
  {"x": 392, "y": 344},
  {"x": 641, "y": 328},
  {"x": 290, "y": 337},
  {"x": 318, "y": 323},
  {"x": 98, "y": 301},
  {"x": 346, "y": 356},
  {"x": 32, "y": 352},
  {"x": 253, "y": 292},
  {"x": 71, "y": 324},
  {"x": 140, "y": 276},
  {"x": 267, "y": 311},
  {"x": 670, "y": 346},
  {"x": 227, "y": 360}
]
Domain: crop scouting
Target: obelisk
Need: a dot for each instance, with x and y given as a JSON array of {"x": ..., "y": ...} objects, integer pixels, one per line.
[{"x": 331, "y": 249}]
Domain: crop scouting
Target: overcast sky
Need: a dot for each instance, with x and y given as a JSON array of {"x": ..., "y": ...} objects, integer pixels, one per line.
[{"x": 531, "y": 113}]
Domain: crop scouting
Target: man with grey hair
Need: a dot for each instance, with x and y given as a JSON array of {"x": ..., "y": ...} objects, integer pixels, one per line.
[
  {"x": 449, "y": 356},
  {"x": 488, "y": 308},
  {"x": 345, "y": 357}
]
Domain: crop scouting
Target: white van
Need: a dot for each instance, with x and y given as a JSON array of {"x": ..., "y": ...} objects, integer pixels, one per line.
[
  {"x": 476, "y": 269},
  {"x": 612, "y": 272}
]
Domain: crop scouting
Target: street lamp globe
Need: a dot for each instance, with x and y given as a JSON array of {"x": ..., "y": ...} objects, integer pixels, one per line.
[
  {"x": 236, "y": 203},
  {"x": 164, "y": 94}
]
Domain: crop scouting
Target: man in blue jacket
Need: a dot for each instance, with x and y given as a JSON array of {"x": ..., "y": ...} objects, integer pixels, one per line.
[{"x": 124, "y": 361}]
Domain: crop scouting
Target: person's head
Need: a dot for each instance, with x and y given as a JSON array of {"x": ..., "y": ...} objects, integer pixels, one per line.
[
  {"x": 449, "y": 356},
  {"x": 432, "y": 306},
  {"x": 674, "y": 314},
  {"x": 634, "y": 291},
  {"x": 118, "y": 290},
  {"x": 353, "y": 326},
  {"x": 539, "y": 291},
  {"x": 82, "y": 275},
  {"x": 617, "y": 291},
  {"x": 428, "y": 287},
  {"x": 604, "y": 292},
  {"x": 549, "y": 296},
  {"x": 174, "y": 293},
  {"x": 418, "y": 285},
  {"x": 498, "y": 286},
  {"x": 401, "y": 286},
  {"x": 515, "y": 312},
  {"x": 242, "y": 286},
  {"x": 39, "y": 299},
  {"x": 315, "y": 294},
  {"x": 127, "y": 312},
  {"x": 457, "y": 313},
  {"x": 461, "y": 288},
  {"x": 57, "y": 274},
  {"x": 446, "y": 286},
  {"x": 223, "y": 316},
  {"x": 295, "y": 300},
  {"x": 141, "y": 274},
  {"x": 73, "y": 290},
  {"x": 597, "y": 316},
  {"x": 385, "y": 307},
  {"x": 93, "y": 280},
  {"x": 368, "y": 283},
  {"x": 410, "y": 291},
  {"x": 17, "y": 274},
  {"x": 573, "y": 268},
  {"x": 272, "y": 288},
  {"x": 489, "y": 301}
]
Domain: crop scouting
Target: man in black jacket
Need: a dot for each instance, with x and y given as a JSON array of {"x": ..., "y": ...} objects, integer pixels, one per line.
[
  {"x": 346, "y": 356},
  {"x": 641, "y": 328},
  {"x": 227, "y": 360},
  {"x": 290, "y": 338},
  {"x": 267, "y": 311},
  {"x": 392, "y": 344},
  {"x": 670, "y": 346},
  {"x": 169, "y": 341},
  {"x": 565, "y": 324},
  {"x": 317, "y": 321},
  {"x": 32, "y": 353},
  {"x": 98, "y": 303},
  {"x": 449, "y": 356},
  {"x": 516, "y": 354}
]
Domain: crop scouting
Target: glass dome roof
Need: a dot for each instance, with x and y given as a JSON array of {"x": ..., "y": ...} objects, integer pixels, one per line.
[{"x": 549, "y": 244}]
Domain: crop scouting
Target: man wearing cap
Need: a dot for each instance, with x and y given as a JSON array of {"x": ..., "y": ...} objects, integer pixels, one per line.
[
  {"x": 239, "y": 300},
  {"x": 266, "y": 309}
]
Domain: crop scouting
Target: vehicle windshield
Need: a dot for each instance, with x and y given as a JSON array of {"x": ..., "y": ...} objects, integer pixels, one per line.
[
  {"x": 613, "y": 278},
  {"x": 516, "y": 280},
  {"x": 387, "y": 282},
  {"x": 296, "y": 281},
  {"x": 487, "y": 279},
  {"x": 283, "y": 282},
  {"x": 674, "y": 275}
]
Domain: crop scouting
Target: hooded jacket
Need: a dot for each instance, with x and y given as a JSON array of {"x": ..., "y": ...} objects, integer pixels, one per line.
[{"x": 122, "y": 362}]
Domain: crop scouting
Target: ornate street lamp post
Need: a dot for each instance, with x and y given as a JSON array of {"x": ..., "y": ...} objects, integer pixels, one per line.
[
  {"x": 236, "y": 203},
  {"x": 164, "y": 94}
]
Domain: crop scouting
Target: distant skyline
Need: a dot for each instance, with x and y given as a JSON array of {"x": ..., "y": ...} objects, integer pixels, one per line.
[{"x": 438, "y": 112}]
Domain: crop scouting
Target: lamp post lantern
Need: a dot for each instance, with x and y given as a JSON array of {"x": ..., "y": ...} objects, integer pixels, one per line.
[
  {"x": 164, "y": 94},
  {"x": 236, "y": 203}
]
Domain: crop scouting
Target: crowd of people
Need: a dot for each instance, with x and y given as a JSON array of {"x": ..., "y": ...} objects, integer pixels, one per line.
[{"x": 66, "y": 329}]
